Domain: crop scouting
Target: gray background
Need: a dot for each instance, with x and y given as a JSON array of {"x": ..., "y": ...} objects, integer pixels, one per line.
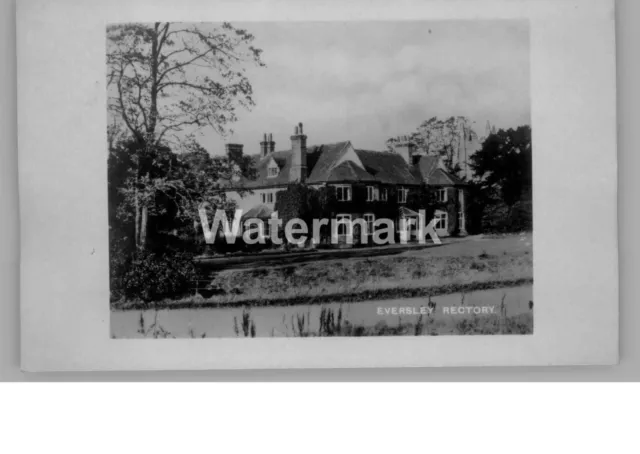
[{"x": 628, "y": 370}]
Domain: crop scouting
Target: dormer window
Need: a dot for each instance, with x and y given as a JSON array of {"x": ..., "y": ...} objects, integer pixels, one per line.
[{"x": 272, "y": 171}]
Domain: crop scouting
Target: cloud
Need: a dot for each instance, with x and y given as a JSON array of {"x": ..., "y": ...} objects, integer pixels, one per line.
[{"x": 340, "y": 79}]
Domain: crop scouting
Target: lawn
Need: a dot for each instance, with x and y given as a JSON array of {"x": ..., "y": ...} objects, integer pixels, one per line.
[{"x": 472, "y": 263}]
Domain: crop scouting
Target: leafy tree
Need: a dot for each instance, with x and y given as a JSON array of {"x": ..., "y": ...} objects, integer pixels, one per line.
[
  {"x": 166, "y": 82},
  {"x": 501, "y": 195},
  {"x": 504, "y": 164},
  {"x": 443, "y": 137}
]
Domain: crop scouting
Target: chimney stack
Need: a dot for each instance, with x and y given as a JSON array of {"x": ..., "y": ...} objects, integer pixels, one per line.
[
  {"x": 406, "y": 149},
  {"x": 298, "y": 170},
  {"x": 264, "y": 150},
  {"x": 272, "y": 144}
]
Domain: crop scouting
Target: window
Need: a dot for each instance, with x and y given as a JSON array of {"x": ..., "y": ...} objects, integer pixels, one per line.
[
  {"x": 369, "y": 219},
  {"x": 344, "y": 224},
  {"x": 441, "y": 220},
  {"x": 372, "y": 194},
  {"x": 441, "y": 195},
  {"x": 272, "y": 172},
  {"x": 343, "y": 193},
  {"x": 402, "y": 195},
  {"x": 268, "y": 197},
  {"x": 384, "y": 194}
]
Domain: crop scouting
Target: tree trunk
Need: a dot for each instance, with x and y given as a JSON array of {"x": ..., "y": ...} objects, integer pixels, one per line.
[
  {"x": 137, "y": 218},
  {"x": 143, "y": 227}
]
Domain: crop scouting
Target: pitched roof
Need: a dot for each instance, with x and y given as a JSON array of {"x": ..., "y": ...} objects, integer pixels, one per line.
[
  {"x": 407, "y": 212},
  {"x": 258, "y": 212},
  {"x": 382, "y": 166},
  {"x": 282, "y": 159},
  {"x": 426, "y": 165},
  {"x": 439, "y": 176},
  {"x": 325, "y": 156},
  {"x": 349, "y": 171},
  {"x": 387, "y": 167},
  {"x": 429, "y": 171}
]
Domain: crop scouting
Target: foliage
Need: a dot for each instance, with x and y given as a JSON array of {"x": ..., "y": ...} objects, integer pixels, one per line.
[
  {"x": 149, "y": 276},
  {"x": 166, "y": 82},
  {"x": 166, "y": 77},
  {"x": 298, "y": 201},
  {"x": 501, "y": 195},
  {"x": 443, "y": 137},
  {"x": 504, "y": 164}
]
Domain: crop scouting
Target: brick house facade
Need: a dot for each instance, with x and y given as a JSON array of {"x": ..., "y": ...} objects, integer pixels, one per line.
[{"x": 378, "y": 174}]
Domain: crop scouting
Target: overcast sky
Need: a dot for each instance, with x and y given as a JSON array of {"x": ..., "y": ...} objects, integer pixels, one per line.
[{"x": 368, "y": 81}]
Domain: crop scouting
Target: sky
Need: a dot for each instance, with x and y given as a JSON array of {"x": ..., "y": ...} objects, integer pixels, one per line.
[{"x": 369, "y": 81}]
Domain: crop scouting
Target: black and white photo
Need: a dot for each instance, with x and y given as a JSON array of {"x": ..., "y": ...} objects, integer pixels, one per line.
[{"x": 320, "y": 179}]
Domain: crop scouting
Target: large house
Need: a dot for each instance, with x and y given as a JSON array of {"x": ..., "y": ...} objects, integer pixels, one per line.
[{"x": 342, "y": 166}]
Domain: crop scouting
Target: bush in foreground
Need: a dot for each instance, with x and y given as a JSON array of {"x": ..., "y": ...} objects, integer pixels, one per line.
[{"x": 150, "y": 276}]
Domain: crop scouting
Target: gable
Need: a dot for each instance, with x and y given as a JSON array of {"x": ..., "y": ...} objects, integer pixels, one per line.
[
  {"x": 349, "y": 155},
  {"x": 431, "y": 170},
  {"x": 387, "y": 167},
  {"x": 325, "y": 157}
]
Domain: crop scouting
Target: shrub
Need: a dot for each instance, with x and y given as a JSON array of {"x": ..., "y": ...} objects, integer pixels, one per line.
[{"x": 151, "y": 276}]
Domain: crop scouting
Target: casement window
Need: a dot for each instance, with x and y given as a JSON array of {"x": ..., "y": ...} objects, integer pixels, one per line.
[
  {"x": 370, "y": 219},
  {"x": 268, "y": 197},
  {"x": 344, "y": 224},
  {"x": 272, "y": 172},
  {"x": 343, "y": 193},
  {"x": 402, "y": 195},
  {"x": 441, "y": 220},
  {"x": 373, "y": 194},
  {"x": 441, "y": 195},
  {"x": 384, "y": 194}
]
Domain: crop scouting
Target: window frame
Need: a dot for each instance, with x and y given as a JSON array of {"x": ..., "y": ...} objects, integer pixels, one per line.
[
  {"x": 403, "y": 194},
  {"x": 340, "y": 189},
  {"x": 373, "y": 193},
  {"x": 442, "y": 191},
  {"x": 440, "y": 217},
  {"x": 384, "y": 194},
  {"x": 272, "y": 172},
  {"x": 370, "y": 223}
]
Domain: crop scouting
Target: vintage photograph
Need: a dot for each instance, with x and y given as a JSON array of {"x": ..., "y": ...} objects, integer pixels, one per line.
[{"x": 319, "y": 179}]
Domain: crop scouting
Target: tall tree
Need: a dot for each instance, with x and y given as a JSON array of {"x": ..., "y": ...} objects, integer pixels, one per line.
[
  {"x": 444, "y": 137},
  {"x": 166, "y": 82},
  {"x": 504, "y": 164}
]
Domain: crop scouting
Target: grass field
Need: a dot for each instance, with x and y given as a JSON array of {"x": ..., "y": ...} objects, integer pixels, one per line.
[{"x": 472, "y": 263}]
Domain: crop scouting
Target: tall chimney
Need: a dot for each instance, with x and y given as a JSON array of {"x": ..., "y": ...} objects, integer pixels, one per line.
[
  {"x": 264, "y": 150},
  {"x": 272, "y": 144},
  {"x": 298, "y": 170},
  {"x": 406, "y": 149}
]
